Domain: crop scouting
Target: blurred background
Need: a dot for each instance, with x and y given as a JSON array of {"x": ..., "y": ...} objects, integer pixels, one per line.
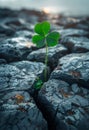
[{"x": 73, "y": 7}]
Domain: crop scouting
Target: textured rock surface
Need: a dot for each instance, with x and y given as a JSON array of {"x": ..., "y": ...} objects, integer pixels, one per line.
[
  {"x": 73, "y": 32},
  {"x": 76, "y": 44},
  {"x": 20, "y": 75},
  {"x": 15, "y": 49},
  {"x": 73, "y": 68},
  {"x": 24, "y": 33},
  {"x": 54, "y": 53},
  {"x": 18, "y": 111},
  {"x": 3, "y": 61},
  {"x": 28, "y": 67},
  {"x": 11, "y": 76},
  {"x": 17, "y": 108},
  {"x": 4, "y": 29},
  {"x": 70, "y": 102}
]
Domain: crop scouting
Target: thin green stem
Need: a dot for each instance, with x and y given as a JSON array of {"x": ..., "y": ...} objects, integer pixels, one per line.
[{"x": 46, "y": 61}]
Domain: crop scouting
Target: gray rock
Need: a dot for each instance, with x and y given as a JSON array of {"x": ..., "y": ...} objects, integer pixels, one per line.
[
  {"x": 13, "y": 78},
  {"x": 81, "y": 100},
  {"x": 76, "y": 44},
  {"x": 3, "y": 61},
  {"x": 9, "y": 53},
  {"x": 70, "y": 119},
  {"x": 73, "y": 32},
  {"x": 70, "y": 107},
  {"x": 20, "y": 112},
  {"x": 84, "y": 91},
  {"x": 83, "y": 124},
  {"x": 54, "y": 53},
  {"x": 8, "y": 31},
  {"x": 17, "y": 108},
  {"x": 75, "y": 88},
  {"x": 20, "y": 75},
  {"x": 53, "y": 93},
  {"x": 71, "y": 127},
  {"x": 15, "y": 49},
  {"x": 28, "y": 67},
  {"x": 14, "y": 21},
  {"x": 73, "y": 68},
  {"x": 24, "y": 33}
]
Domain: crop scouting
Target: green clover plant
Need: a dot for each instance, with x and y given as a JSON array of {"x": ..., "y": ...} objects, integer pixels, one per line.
[
  {"x": 38, "y": 83},
  {"x": 44, "y": 38}
]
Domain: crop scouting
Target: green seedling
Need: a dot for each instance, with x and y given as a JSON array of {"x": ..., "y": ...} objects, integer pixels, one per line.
[
  {"x": 38, "y": 83},
  {"x": 44, "y": 38}
]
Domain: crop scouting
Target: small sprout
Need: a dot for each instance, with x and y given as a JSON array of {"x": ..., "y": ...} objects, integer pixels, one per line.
[
  {"x": 38, "y": 84},
  {"x": 44, "y": 38}
]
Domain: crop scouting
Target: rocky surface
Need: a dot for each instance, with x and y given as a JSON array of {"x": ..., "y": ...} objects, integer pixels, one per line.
[
  {"x": 73, "y": 68},
  {"x": 20, "y": 116},
  {"x": 73, "y": 32},
  {"x": 71, "y": 103},
  {"x": 53, "y": 53},
  {"x": 63, "y": 102},
  {"x": 76, "y": 44},
  {"x": 15, "y": 49},
  {"x": 30, "y": 68},
  {"x": 18, "y": 110}
]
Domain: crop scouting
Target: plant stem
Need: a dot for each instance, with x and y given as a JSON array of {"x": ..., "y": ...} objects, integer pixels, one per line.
[{"x": 46, "y": 61}]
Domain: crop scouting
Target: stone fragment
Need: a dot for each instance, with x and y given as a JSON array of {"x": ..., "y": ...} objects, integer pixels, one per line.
[
  {"x": 76, "y": 44},
  {"x": 54, "y": 53},
  {"x": 73, "y": 68},
  {"x": 17, "y": 107},
  {"x": 15, "y": 49},
  {"x": 71, "y": 108}
]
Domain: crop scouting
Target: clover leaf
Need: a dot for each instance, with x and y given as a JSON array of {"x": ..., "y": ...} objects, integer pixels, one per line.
[
  {"x": 52, "y": 38},
  {"x": 42, "y": 28},
  {"x": 43, "y": 36},
  {"x": 38, "y": 40},
  {"x": 38, "y": 84}
]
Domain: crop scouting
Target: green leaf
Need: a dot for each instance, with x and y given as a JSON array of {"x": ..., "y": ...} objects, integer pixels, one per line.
[
  {"x": 38, "y": 29},
  {"x": 42, "y": 28},
  {"x": 52, "y": 38},
  {"x": 38, "y": 84},
  {"x": 45, "y": 27},
  {"x": 38, "y": 40}
]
